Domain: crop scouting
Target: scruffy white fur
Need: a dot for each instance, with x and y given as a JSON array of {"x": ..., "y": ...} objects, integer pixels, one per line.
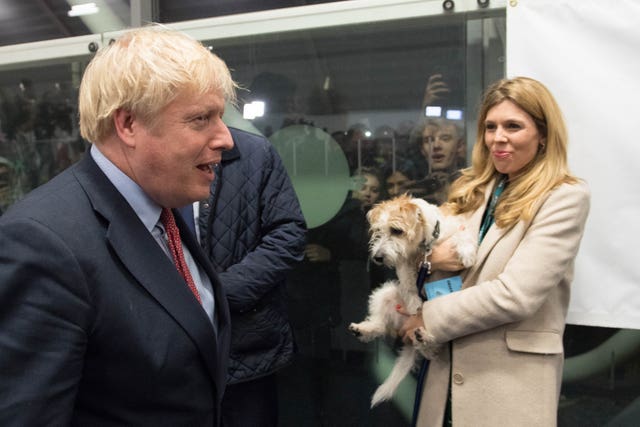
[{"x": 401, "y": 230}]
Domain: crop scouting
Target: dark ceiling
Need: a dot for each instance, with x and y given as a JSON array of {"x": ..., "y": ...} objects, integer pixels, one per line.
[{"x": 37, "y": 20}]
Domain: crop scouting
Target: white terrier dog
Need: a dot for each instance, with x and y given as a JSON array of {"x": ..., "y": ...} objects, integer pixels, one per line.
[{"x": 403, "y": 231}]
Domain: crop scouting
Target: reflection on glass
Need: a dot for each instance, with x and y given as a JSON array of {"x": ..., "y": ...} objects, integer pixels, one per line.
[{"x": 38, "y": 127}]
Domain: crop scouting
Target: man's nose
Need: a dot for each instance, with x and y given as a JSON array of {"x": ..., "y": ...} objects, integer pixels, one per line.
[{"x": 221, "y": 137}]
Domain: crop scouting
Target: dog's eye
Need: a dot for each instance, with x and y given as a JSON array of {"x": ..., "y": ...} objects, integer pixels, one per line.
[{"x": 396, "y": 231}]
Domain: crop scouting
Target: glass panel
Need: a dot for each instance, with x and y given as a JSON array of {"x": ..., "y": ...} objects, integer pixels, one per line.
[
  {"x": 31, "y": 21},
  {"x": 601, "y": 381},
  {"x": 176, "y": 11},
  {"x": 38, "y": 126},
  {"x": 347, "y": 108}
]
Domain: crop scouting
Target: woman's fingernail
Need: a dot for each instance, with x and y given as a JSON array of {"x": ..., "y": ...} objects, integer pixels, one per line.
[{"x": 398, "y": 306}]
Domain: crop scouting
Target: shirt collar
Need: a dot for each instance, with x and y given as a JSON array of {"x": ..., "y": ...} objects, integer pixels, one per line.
[{"x": 147, "y": 210}]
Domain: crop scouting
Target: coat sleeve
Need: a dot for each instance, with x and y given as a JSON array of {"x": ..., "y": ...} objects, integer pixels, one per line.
[
  {"x": 44, "y": 313},
  {"x": 281, "y": 245},
  {"x": 522, "y": 271}
]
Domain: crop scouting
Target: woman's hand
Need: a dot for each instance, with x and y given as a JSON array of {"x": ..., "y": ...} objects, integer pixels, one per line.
[
  {"x": 444, "y": 257},
  {"x": 411, "y": 323}
]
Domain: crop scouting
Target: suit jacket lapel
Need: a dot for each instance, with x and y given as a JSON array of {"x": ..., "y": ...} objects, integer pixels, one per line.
[
  {"x": 147, "y": 263},
  {"x": 222, "y": 309}
]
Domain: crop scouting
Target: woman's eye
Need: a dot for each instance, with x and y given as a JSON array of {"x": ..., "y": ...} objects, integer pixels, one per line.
[
  {"x": 490, "y": 126},
  {"x": 396, "y": 231}
]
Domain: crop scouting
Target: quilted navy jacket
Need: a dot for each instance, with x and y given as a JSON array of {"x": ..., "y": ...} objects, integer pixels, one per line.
[{"x": 254, "y": 232}]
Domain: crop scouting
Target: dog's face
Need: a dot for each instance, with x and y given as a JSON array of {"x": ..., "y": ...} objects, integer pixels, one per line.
[{"x": 399, "y": 228}]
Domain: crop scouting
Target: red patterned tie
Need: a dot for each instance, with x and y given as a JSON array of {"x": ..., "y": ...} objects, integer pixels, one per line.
[{"x": 175, "y": 247}]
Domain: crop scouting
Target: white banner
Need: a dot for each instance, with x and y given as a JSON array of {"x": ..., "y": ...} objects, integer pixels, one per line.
[{"x": 587, "y": 52}]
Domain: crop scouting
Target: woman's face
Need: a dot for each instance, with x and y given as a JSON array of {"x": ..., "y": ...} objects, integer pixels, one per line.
[
  {"x": 512, "y": 137},
  {"x": 370, "y": 191},
  {"x": 397, "y": 183}
]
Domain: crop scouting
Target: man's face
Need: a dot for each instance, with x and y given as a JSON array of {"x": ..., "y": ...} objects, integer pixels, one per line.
[
  {"x": 173, "y": 161},
  {"x": 442, "y": 147}
]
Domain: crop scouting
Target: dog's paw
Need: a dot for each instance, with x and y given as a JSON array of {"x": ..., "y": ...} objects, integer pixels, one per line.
[
  {"x": 355, "y": 330},
  {"x": 467, "y": 257},
  {"x": 467, "y": 249},
  {"x": 363, "y": 331},
  {"x": 425, "y": 344}
]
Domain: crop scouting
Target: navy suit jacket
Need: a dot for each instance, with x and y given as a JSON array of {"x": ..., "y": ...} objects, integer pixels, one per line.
[{"x": 97, "y": 327}]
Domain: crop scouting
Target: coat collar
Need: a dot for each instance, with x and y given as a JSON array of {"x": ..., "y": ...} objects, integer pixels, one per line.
[{"x": 493, "y": 235}]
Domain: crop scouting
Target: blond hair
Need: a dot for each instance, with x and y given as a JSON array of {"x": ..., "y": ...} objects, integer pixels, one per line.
[
  {"x": 144, "y": 71},
  {"x": 547, "y": 170}
]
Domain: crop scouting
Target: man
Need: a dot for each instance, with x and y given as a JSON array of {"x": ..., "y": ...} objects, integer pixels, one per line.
[
  {"x": 97, "y": 325},
  {"x": 441, "y": 143},
  {"x": 253, "y": 230}
]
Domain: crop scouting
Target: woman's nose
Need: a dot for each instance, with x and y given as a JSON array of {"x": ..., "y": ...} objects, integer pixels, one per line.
[{"x": 500, "y": 134}]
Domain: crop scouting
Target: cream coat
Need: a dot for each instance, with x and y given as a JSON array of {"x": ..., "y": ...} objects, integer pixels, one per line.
[{"x": 506, "y": 324}]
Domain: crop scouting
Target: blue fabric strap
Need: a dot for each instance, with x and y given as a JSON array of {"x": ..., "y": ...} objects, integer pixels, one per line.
[{"x": 489, "y": 218}]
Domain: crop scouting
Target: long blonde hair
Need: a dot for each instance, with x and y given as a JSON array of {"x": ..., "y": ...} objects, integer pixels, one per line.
[{"x": 547, "y": 170}]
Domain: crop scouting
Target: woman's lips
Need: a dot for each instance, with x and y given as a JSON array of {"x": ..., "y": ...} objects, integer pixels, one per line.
[{"x": 501, "y": 154}]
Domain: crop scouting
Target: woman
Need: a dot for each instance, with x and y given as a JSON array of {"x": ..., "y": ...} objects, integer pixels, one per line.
[
  {"x": 500, "y": 338},
  {"x": 369, "y": 188}
]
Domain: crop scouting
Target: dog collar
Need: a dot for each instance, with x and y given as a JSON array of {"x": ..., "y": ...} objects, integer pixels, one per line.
[
  {"x": 425, "y": 265},
  {"x": 434, "y": 235}
]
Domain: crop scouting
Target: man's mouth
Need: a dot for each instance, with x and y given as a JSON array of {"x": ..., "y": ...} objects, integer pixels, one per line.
[{"x": 206, "y": 167}]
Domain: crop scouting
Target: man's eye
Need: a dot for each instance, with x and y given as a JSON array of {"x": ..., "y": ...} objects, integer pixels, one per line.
[{"x": 396, "y": 231}]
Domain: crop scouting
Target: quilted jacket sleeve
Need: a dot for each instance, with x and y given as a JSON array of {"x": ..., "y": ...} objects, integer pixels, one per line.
[{"x": 258, "y": 231}]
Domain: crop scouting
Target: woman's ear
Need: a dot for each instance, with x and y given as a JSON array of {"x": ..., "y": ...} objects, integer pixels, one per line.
[{"x": 542, "y": 143}]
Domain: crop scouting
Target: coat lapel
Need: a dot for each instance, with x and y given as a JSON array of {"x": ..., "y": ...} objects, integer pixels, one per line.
[
  {"x": 494, "y": 234},
  {"x": 144, "y": 259}
]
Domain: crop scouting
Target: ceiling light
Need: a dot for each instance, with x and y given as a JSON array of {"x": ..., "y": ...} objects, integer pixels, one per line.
[{"x": 83, "y": 9}]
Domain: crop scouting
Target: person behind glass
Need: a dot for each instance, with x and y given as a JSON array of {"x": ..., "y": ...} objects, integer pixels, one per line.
[
  {"x": 441, "y": 144},
  {"x": 359, "y": 147},
  {"x": 353, "y": 229},
  {"x": 400, "y": 180},
  {"x": 368, "y": 188},
  {"x": 500, "y": 338},
  {"x": 111, "y": 312},
  {"x": 253, "y": 231}
]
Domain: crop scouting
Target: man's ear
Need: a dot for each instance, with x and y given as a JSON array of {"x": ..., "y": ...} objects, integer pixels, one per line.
[{"x": 126, "y": 126}]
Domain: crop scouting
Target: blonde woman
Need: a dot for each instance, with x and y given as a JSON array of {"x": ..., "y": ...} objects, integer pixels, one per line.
[{"x": 498, "y": 341}]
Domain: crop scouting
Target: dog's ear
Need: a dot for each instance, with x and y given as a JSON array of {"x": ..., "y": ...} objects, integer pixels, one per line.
[
  {"x": 428, "y": 215},
  {"x": 373, "y": 214}
]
